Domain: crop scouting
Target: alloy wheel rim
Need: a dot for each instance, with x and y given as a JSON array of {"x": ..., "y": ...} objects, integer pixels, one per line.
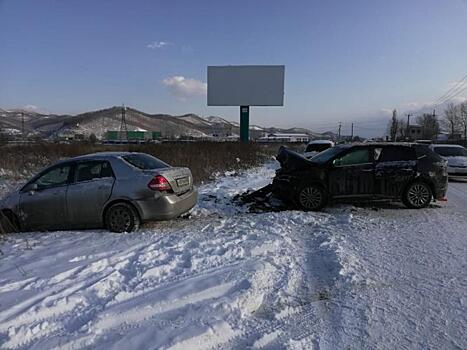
[
  {"x": 310, "y": 197},
  {"x": 120, "y": 219},
  {"x": 418, "y": 195}
]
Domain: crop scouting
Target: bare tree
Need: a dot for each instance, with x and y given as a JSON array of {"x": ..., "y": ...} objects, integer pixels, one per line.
[
  {"x": 393, "y": 126},
  {"x": 92, "y": 138},
  {"x": 430, "y": 126},
  {"x": 402, "y": 129},
  {"x": 463, "y": 118},
  {"x": 452, "y": 118}
]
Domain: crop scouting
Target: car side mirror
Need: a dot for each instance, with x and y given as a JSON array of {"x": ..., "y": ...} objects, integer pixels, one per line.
[{"x": 31, "y": 188}]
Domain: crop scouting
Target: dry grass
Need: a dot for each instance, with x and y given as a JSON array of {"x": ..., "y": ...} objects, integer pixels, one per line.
[{"x": 203, "y": 158}]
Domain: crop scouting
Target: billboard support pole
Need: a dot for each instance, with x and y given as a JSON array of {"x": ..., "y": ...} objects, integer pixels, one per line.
[{"x": 244, "y": 123}]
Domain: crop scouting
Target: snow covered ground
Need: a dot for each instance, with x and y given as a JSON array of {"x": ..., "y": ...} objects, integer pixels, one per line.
[{"x": 348, "y": 277}]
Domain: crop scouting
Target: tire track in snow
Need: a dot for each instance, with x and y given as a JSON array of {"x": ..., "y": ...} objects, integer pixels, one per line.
[{"x": 271, "y": 279}]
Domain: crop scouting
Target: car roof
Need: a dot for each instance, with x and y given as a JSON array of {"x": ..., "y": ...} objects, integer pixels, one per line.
[
  {"x": 324, "y": 142},
  {"x": 97, "y": 155},
  {"x": 378, "y": 144},
  {"x": 446, "y": 145}
]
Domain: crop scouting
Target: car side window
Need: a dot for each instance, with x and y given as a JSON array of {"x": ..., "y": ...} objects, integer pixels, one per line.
[
  {"x": 87, "y": 171},
  {"x": 58, "y": 176},
  {"x": 354, "y": 157},
  {"x": 396, "y": 154}
]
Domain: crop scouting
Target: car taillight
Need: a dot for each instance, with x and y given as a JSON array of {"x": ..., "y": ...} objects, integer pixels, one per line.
[{"x": 159, "y": 183}]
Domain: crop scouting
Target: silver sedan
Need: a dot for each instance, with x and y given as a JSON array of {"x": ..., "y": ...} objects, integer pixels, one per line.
[{"x": 116, "y": 190}]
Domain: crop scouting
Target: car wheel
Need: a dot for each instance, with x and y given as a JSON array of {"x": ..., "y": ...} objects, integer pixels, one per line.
[
  {"x": 311, "y": 197},
  {"x": 417, "y": 195},
  {"x": 122, "y": 217}
]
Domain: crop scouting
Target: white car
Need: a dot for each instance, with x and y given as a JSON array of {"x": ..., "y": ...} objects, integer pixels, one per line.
[
  {"x": 456, "y": 156},
  {"x": 317, "y": 146}
]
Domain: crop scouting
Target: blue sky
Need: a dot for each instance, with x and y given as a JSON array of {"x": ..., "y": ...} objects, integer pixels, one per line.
[{"x": 345, "y": 60}]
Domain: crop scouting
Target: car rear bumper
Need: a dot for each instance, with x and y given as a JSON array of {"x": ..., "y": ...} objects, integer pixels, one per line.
[
  {"x": 457, "y": 171},
  {"x": 167, "y": 207}
]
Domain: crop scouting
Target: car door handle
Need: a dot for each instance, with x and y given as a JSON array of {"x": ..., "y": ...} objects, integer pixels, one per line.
[{"x": 367, "y": 170}]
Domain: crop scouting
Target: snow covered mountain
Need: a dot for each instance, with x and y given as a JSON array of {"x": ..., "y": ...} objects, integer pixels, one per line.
[{"x": 98, "y": 122}]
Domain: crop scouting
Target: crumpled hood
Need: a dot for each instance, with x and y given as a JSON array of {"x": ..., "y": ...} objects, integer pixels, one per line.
[
  {"x": 311, "y": 154},
  {"x": 291, "y": 160},
  {"x": 457, "y": 161}
]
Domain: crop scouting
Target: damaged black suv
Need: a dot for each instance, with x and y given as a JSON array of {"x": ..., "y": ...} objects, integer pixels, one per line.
[{"x": 406, "y": 172}]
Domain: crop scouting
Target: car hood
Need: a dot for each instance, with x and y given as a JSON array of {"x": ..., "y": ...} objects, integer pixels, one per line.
[
  {"x": 290, "y": 160},
  {"x": 457, "y": 161},
  {"x": 10, "y": 200},
  {"x": 5, "y": 201},
  {"x": 310, "y": 154}
]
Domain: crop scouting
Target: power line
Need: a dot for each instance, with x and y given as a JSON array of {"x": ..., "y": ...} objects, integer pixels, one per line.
[
  {"x": 455, "y": 86},
  {"x": 453, "y": 92}
]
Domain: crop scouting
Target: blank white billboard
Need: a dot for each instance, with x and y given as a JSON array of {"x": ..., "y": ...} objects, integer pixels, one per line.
[{"x": 246, "y": 85}]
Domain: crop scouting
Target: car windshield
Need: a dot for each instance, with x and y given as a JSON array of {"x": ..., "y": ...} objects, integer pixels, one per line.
[
  {"x": 327, "y": 155},
  {"x": 145, "y": 161},
  {"x": 451, "y": 151},
  {"x": 317, "y": 147}
]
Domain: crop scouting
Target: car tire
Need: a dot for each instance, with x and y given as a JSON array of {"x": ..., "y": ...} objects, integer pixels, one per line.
[
  {"x": 417, "y": 195},
  {"x": 311, "y": 197},
  {"x": 122, "y": 217}
]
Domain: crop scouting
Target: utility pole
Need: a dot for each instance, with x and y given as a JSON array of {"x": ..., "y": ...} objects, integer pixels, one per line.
[
  {"x": 351, "y": 134},
  {"x": 339, "y": 133},
  {"x": 408, "y": 125},
  {"x": 464, "y": 118},
  {"x": 123, "y": 126},
  {"x": 435, "y": 123},
  {"x": 22, "y": 125}
]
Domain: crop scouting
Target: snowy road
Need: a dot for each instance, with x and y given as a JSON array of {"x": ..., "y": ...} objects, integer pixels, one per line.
[{"x": 348, "y": 277}]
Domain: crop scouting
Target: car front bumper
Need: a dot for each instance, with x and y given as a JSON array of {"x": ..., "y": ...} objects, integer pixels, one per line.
[{"x": 166, "y": 207}]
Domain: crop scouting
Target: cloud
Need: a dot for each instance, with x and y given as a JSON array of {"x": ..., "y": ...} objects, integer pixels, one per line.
[
  {"x": 386, "y": 111},
  {"x": 158, "y": 45},
  {"x": 416, "y": 105},
  {"x": 183, "y": 88},
  {"x": 31, "y": 108}
]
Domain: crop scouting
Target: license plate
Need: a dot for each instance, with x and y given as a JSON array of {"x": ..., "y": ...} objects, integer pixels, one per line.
[{"x": 184, "y": 181}]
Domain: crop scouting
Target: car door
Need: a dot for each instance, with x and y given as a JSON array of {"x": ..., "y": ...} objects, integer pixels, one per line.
[
  {"x": 89, "y": 192},
  {"x": 45, "y": 206},
  {"x": 395, "y": 166},
  {"x": 352, "y": 174}
]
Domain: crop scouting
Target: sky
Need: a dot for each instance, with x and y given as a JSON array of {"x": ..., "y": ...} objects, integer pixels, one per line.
[{"x": 345, "y": 61}]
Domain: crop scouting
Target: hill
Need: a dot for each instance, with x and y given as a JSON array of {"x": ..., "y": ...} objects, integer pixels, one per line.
[{"x": 98, "y": 122}]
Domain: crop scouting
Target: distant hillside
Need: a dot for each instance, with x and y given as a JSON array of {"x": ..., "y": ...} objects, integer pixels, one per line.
[{"x": 98, "y": 122}]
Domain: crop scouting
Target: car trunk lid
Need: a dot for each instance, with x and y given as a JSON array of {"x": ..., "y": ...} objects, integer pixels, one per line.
[{"x": 179, "y": 178}]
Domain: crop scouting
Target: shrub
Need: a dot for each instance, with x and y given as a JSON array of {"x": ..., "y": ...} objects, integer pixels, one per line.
[{"x": 203, "y": 158}]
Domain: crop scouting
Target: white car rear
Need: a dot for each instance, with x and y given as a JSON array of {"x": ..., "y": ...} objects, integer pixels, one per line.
[
  {"x": 317, "y": 146},
  {"x": 456, "y": 156}
]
